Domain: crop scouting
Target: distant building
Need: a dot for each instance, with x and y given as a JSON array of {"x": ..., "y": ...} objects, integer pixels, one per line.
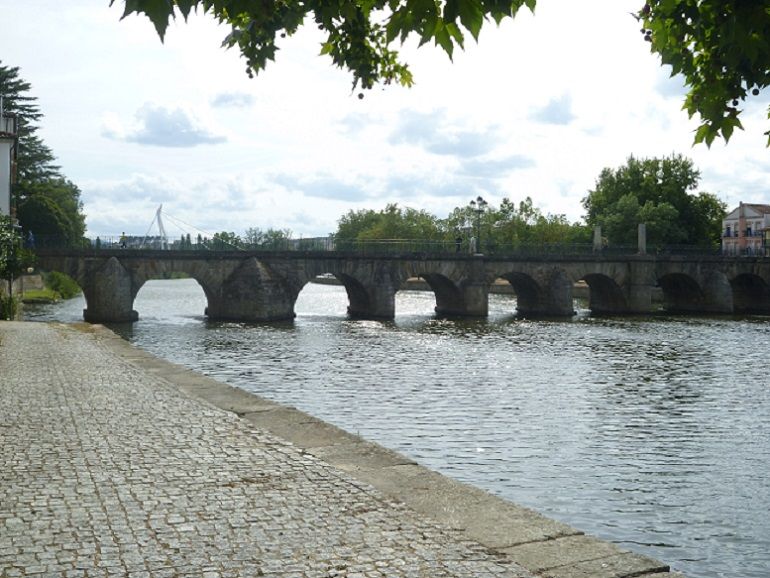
[
  {"x": 7, "y": 158},
  {"x": 746, "y": 230}
]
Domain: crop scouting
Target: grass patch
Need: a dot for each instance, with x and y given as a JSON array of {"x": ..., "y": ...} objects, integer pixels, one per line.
[{"x": 41, "y": 296}]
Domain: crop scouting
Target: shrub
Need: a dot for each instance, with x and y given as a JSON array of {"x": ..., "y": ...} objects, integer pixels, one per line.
[
  {"x": 63, "y": 284},
  {"x": 9, "y": 307}
]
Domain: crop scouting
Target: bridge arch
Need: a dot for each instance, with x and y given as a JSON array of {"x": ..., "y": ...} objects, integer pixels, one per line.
[
  {"x": 359, "y": 299},
  {"x": 449, "y": 297},
  {"x": 605, "y": 296},
  {"x": 529, "y": 294},
  {"x": 460, "y": 288},
  {"x": 681, "y": 293},
  {"x": 164, "y": 269},
  {"x": 751, "y": 294},
  {"x": 540, "y": 291}
]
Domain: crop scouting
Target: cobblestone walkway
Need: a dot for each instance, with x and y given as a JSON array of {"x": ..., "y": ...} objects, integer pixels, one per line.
[{"x": 106, "y": 470}]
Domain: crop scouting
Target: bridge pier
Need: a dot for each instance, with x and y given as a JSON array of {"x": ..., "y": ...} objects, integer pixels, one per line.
[
  {"x": 371, "y": 300},
  {"x": 718, "y": 294},
  {"x": 468, "y": 298},
  {"x": 553, "y": 298},
  {"x": 685, "y": 294},
  {"x": 476, "y": 299},
  {"x": 640, "y": 285},
  {"x": 542, "y": 293},
  {"x": 252, "y": 293},
  {"x": 109, "y": 294}
]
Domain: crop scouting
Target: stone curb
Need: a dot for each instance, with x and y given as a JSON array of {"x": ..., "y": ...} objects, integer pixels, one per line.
[{"x": 543, "y": 546}]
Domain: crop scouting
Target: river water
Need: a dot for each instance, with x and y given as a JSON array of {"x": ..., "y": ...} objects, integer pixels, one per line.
[{"x": 650, "y": 432}]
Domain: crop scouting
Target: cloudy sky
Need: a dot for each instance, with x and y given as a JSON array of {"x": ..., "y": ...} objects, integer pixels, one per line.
[{"x": 538, "y": 108}]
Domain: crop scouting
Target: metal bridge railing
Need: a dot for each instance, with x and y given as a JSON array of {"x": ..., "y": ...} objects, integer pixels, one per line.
[{"x": 377, "y": 247}]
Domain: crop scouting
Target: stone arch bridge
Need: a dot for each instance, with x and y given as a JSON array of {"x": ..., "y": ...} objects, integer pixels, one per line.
[{"x": 263, "y": 286}]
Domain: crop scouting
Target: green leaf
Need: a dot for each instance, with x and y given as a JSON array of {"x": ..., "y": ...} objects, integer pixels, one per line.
[
  {"x": 701, "y": 133},
  {"x": 451, "y": 10},
  {"x": 443, "y": 39},
  {"x": 456, "y": 34},
  {"x": 471, "y": 16},
  {"x": 158, "y": 11}
]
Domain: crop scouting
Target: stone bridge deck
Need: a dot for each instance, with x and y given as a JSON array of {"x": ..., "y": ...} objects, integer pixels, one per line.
[
  {"x": 263, "y": 286},
  {"x": 116, "y": 463}
]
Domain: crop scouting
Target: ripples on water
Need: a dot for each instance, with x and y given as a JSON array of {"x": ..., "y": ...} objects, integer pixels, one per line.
[{"x": 649, "y": 432}]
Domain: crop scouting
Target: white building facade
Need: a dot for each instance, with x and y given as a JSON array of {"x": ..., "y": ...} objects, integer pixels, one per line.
[{"x": 746, "y": 230}]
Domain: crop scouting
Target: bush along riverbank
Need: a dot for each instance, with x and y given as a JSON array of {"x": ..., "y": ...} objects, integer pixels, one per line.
[{"x": 48, "y": 288}]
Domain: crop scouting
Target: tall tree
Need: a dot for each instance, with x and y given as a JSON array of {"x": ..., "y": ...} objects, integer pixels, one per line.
[
  {"x": 660, "y": 193},
  {"x": 46, "y": 202},
  {"x": 34, "y": 161}
]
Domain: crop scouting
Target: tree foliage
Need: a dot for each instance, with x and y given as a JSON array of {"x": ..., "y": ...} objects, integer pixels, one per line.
[
  {"x": 14, "y": 258},
  {"x": 517, "y": 225},
  {"x": 720, "y": 47},
  {"x": 51, "y": 208},
  {"x": 508, "y": 226},
  {"x": 659, "y": 193},
  {"x": 34, "y": 161},
  {"x": 256, "y": 238},
  {"x": 358, "y": 33},
  {"x": 225, "y": 241},
  {"x": 46, "y": 202},
  {"x": 393, "y": 222}
]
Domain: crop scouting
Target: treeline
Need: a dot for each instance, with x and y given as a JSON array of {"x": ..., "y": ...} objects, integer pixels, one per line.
[
  {"x": 253, "y": 238},
  {"x": 509, "y": 224},
  {"x": 659, "y": 192}
]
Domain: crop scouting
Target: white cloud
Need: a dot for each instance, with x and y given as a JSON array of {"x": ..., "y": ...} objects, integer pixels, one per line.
[
  {"x": 557, "y": 111},
  {"x": 161, "y": 126},
  {"x": 233, "y": 100}
]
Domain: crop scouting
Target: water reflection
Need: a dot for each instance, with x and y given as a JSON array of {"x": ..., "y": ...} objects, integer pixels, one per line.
[{"x": 651, "y": 432}]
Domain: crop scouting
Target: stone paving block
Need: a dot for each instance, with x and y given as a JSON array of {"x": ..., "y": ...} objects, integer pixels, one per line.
[
  {"x": 301, "y": 429},
  {"x": 483, "y": 517},
  {"x": 544, "y": 555},
  {"x": 359, "y": 455},
  {"x": 624, "y": 565}
]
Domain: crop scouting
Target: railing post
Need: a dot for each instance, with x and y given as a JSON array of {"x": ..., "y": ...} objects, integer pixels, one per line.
[
  {"x": 642, "y": 239},
  {"x": 597, "y": 239}
]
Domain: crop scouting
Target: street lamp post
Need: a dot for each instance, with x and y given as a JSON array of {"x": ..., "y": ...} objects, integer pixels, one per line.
[{"x": 478, "y": 205}]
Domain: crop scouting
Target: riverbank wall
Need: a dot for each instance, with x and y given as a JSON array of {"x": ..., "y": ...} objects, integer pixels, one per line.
[{"x": 515, "y": 534}]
